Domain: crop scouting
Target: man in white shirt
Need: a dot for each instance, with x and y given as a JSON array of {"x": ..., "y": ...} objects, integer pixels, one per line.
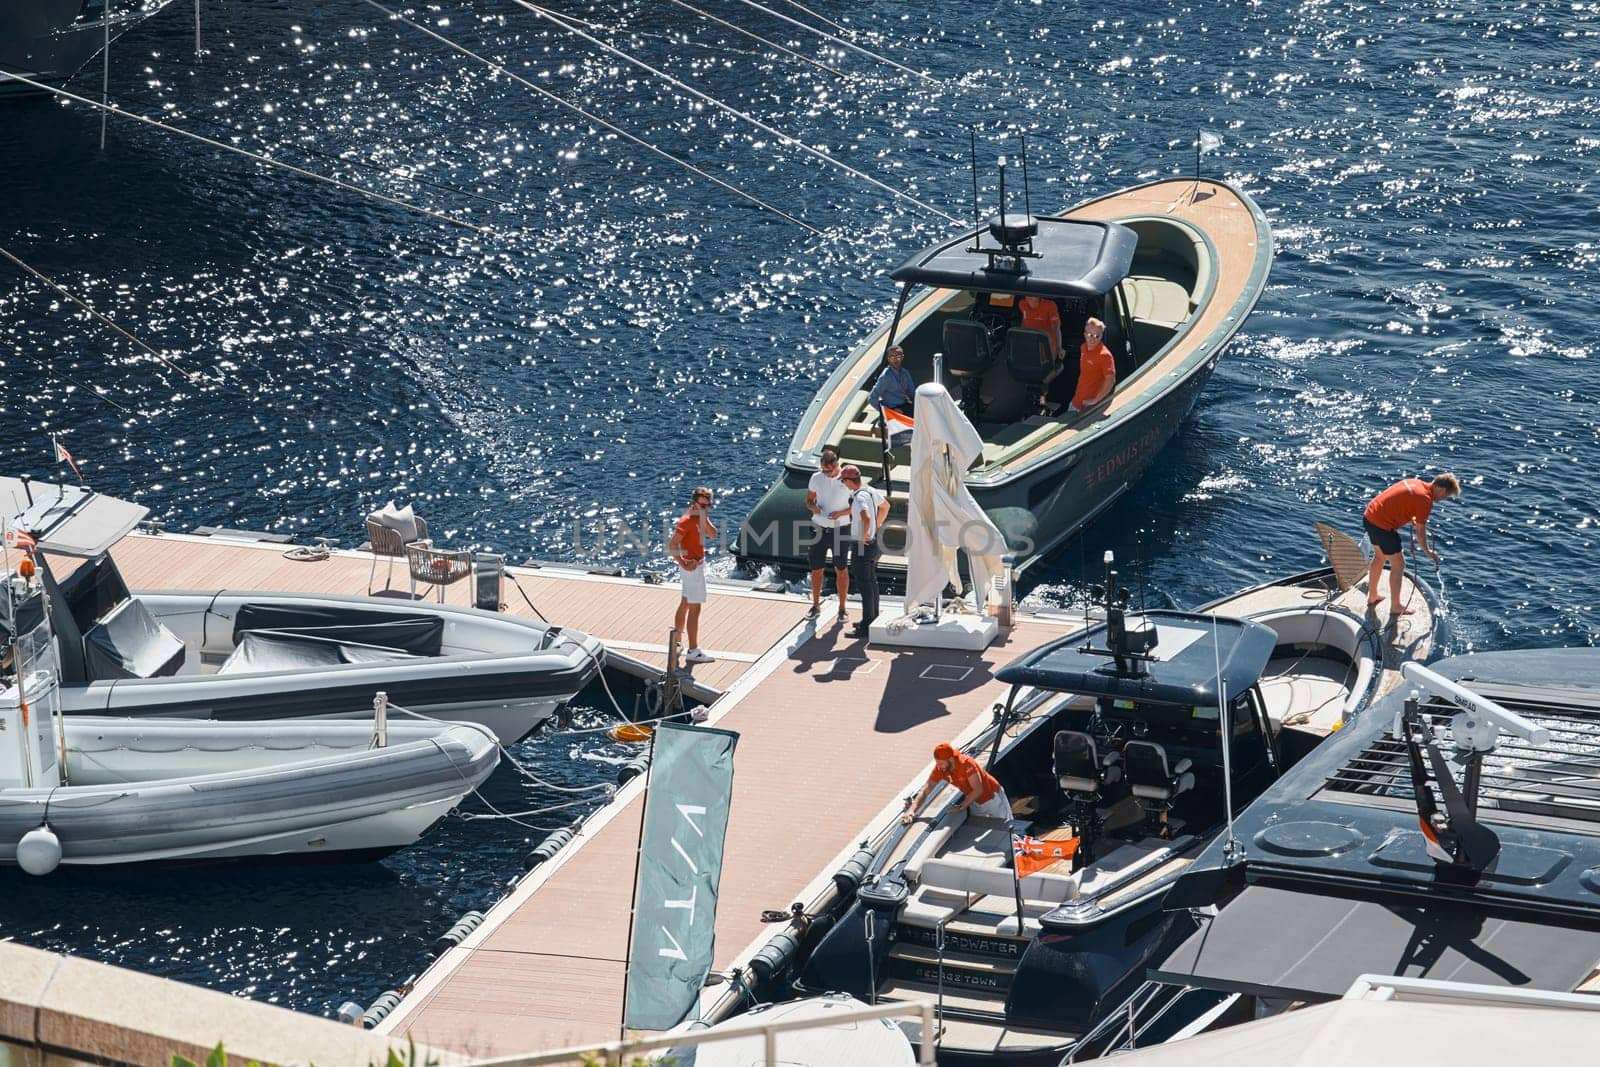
[
  {"x": 868, "y": 508},
  {"x": 829, "y": 503}
]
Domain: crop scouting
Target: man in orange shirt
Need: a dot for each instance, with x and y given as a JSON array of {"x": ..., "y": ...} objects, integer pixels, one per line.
[
  {"x": 687, "y": 547},
  {"x": 1097, "y": 369},
  {"x": 1043, "y": 315},
  {"x": 980, "y": 791},
  {"x": 1404, "y": 502}
]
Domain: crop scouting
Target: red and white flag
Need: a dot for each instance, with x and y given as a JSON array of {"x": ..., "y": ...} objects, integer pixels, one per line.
[
  {"x": 898, "y": 423},
  {"x": 1033, "y": 854},
  {"x": 63, "y": 456}
]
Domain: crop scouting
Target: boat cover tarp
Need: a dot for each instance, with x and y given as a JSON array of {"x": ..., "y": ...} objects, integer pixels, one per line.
[
  {"x": 93, "y": 591},
  {"x": 1418, "y": 1033},
  {"x": 1304, "y": 946},
  {"x": 131, "y": 643},
  {"x": 69, "y": 520},
  {"x": 1077, "y": 258},
  {"x": 260, "y": 652},
  {"x": 418, "y": 634},
  {"x": 942, "y": 518}
]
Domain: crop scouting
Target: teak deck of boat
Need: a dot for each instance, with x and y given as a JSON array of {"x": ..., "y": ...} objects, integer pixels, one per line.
[{"x": 829, "y": 728}]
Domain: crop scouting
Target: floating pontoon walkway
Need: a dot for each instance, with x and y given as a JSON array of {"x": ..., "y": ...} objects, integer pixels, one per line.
[{"x": 830, "y": 731}]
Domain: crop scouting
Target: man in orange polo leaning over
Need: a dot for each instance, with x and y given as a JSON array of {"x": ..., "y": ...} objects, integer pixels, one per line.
[
  {"x": 1408, "y": 501},
  {"x": 980, "y": 791},
  {"x": 1097, "y": 370}
]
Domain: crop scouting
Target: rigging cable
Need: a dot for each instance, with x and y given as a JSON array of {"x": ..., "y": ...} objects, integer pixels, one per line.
[
  {"x": 396, "y": 171},
  {"x": 824, "y": 34},
  {"x": 157, "y": 356},
  {"x": 597, "y": 120},
  {"x": 739, "y": 29},
  {"x": 561, "y": 22},
  {"x": 819, "y": 16},
  {"x": 257, "y": 157}
]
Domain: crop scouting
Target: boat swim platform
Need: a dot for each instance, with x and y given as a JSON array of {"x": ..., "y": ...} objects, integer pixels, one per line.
[{"x": 832, "y": 733}]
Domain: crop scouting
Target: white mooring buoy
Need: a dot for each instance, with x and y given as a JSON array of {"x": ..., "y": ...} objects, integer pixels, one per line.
[{"x": 39, "y": 851}]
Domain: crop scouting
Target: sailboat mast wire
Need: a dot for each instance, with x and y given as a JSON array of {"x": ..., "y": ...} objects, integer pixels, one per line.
[
  {"x": 841, "y": 42},
  {"x": 257, "y": 157},
  {"x": 818, "y": 16},
  {"x": 597, "y": 120},
  {"x": 754, "y": 36},
  {"x": 157, "y": 356},
  {"x": 397, "y": 172},
  {"x": 795, "y": 142}
]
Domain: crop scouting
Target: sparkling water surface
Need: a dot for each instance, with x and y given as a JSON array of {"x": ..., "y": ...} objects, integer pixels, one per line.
[{"x": 630, "y": 329}]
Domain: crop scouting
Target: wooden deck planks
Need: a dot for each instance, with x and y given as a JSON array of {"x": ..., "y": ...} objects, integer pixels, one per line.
[{"x": 826, "y": 738}]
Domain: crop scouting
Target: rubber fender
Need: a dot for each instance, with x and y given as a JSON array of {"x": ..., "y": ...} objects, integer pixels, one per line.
[
  {"x": 848, "y": 878},
  {"x": 380, "y": 1009},
  {"x": 457, "y": 933},
  {"x": 633, "y": 769},
  {"x": 774, "y": 956},
  {"x": 547, "y": 849}
]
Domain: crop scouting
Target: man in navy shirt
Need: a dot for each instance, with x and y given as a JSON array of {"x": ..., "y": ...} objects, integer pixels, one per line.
[{"x": 895, "y": 387}]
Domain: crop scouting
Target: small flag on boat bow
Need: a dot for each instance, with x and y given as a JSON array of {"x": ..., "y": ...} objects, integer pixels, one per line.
[
  {"x": 63, "y": 456},
  {"x": 1209, "y": 142},
  {"x": 1035, "y": 855}
]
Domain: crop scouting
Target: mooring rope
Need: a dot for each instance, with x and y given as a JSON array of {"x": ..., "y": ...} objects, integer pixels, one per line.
[
  {"x": 596, "y": 119},
  {"x": 256, "y": 156},
  {"x": 794, "y": 142}
]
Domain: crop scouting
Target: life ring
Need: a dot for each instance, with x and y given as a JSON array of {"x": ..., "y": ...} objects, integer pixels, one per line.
[{"x": 631, "y": 733}]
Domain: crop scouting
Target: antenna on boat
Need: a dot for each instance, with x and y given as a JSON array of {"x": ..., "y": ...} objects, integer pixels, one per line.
[
  {"x": 1002, "y": 189},
  {"x": 1027, "y": 202},
  {"x": 977, "y": 223},
  {"x": 1232, "y": 851}
]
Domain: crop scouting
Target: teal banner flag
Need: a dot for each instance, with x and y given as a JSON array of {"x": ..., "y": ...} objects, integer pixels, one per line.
[{"x": 680, "y": 864}]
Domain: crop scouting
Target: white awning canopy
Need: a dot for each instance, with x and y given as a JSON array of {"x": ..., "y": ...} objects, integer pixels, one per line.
[{"x": 942, "y": 518}]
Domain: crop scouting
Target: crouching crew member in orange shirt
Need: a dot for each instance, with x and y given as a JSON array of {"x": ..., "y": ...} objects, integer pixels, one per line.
[
  {"x": 980, "y": 791},
  {"x": 1097, "y": 369},
  {"x": 1404, "y": 502}
]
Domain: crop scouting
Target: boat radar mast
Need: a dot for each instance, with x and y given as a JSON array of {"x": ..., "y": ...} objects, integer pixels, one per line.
[
  {"x": 1127, "y": 643},
  {"x": 1014, "y": 233}
]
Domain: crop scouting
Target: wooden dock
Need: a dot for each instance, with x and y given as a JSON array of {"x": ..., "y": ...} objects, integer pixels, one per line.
[{"x": 831, "y": 734}]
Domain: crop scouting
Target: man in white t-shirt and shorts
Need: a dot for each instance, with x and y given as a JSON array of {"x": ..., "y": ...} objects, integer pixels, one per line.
[{"x": 828, "y": 500}]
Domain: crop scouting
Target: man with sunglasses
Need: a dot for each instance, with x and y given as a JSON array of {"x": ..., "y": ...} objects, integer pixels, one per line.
[
  {"x": 828, "y": 500},
  {"x": 687, "y": 546}
]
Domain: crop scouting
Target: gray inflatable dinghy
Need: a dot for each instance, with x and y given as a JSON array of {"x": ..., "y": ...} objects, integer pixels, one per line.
[
  {"x": 231, "y": 655},
  {"x": 107, "y": 791}
]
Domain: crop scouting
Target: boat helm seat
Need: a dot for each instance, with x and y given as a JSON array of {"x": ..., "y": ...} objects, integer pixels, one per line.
[
  {"x": 1080, "y": 769},
  {"x": 967, "y": 356},
  {"x": 1154, "y": 782},
  {"x": 1032, "y": 362}
]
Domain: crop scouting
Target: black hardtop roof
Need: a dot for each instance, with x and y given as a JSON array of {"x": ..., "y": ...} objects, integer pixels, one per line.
[
  {"x": 1318, "y": 823},
  {"x": 1190, "y": 650},
  {"x": 1077, "y": 258}
]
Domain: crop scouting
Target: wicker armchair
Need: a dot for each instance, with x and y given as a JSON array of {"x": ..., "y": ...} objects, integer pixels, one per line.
[
  {"x": 437, "y": 566},
  {"x": 389, "y": 542}
]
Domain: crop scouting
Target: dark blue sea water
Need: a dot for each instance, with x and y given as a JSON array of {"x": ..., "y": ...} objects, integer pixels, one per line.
[{"x": 629, "y": 330}]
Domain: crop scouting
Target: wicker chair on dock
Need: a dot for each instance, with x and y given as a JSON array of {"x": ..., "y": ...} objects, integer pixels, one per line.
[
  {"x": 391, "y": 532},
  {"x": 437, "y": 566}
]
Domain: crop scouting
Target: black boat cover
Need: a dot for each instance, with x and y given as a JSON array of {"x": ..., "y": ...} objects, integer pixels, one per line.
[
  {"x": 131, "y": 643},
  {"x": 1077, "y": 258},
  {"x": 1280, "y": 943},
  {"x": 417, "y": 634}
]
